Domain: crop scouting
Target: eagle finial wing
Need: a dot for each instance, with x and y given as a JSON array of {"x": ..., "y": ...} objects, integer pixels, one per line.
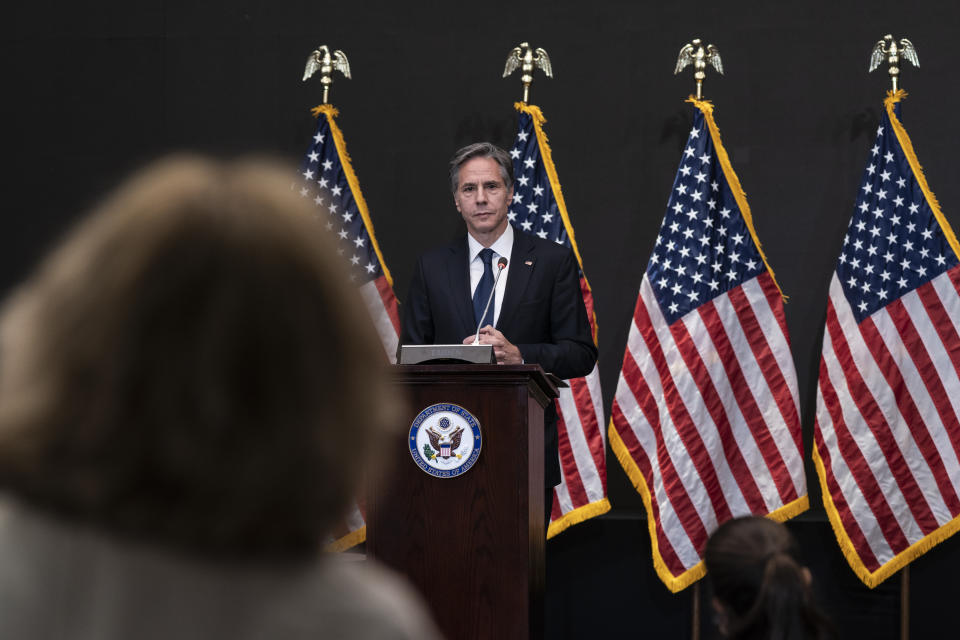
[
  {"x": 341, "y": 64},
  {"x": 543, "y": 61},
  {"x": 714, "y": 58},
  {"x": 513, "y": 61},
  {"x": 685, "y": 58},
  {"x": 313, "y": 64},
  {"x": 877, "y": 56},
  {"x": 910, "y": 52}
]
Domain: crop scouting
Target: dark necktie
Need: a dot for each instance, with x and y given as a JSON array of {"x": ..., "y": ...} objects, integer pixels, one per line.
[{"x": 482, "y": 292}]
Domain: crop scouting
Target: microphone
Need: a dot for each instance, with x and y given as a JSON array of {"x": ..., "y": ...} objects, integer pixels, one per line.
[{"x": 501, "y": 265}]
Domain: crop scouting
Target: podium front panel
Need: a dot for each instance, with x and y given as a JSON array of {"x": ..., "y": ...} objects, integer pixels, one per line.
[{"x": 473, "y": 544}]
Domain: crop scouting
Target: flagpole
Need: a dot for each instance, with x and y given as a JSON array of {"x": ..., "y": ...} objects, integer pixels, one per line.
[
  {"x": 695, "y": 632},
  {"x": 905, "y": 603}
]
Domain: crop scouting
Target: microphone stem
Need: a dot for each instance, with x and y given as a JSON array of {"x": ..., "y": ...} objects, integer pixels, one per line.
[{"x": 476, "y": 338}]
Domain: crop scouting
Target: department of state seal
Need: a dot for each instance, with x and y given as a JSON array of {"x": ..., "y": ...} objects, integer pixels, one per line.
[{"x": 445, "y": 440}]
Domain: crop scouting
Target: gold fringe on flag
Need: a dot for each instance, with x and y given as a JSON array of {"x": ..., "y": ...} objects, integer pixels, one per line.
[
  {"x": 893, "y": 565},
  {"x": 352, "y": 539},
  {"x": 331, "y": 112},
  {"x": 673, "y": 583},
  {"x": 706, "y": 107},
  {"x": 787, "y": 511},
  {"x": 929, "y": 541},
  {"x": 538, "y": 120},
  {"x": 599, "y": 507},
  {"x": 907, "y": 146},
  {"x": 694, "y": 573},
  {"x": 578, "y": 515}
]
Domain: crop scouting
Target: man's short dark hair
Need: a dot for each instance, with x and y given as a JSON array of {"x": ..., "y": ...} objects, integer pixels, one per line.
[{"x": 481, "y": 150}]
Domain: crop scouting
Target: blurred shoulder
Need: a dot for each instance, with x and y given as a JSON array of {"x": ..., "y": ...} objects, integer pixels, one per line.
[{"x": 365, "y": 600}]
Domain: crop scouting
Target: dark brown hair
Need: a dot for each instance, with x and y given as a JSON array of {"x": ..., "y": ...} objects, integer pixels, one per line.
[
  {"x": 481, "y": 150},
  {"x": 192, "y": 366},
  {"x": 763, "y": 590}
]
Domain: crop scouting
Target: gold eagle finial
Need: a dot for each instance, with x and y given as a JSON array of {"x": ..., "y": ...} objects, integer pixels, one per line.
[
  {"x": 700, "y": 56},
  {"x": 892, "y": 50},
  {"x": 320, "y": 59},
  {"x": 523, "y": 57}
]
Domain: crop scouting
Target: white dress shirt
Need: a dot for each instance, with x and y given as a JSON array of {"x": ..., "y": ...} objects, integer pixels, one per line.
[{"x": 502, "y": 248}]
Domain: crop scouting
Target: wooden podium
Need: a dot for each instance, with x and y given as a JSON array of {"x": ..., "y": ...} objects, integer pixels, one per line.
[{"x": 472, "y": 544}]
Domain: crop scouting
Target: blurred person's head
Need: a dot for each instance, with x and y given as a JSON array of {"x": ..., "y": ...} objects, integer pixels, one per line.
[
  {"x": 761, "y": 590},
  {"x": 193, "y": 367}
]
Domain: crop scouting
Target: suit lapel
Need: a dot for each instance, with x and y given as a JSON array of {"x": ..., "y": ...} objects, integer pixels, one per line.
[
  {"x": 458, "y": 271},
  {"x": 522, "y": 262}
]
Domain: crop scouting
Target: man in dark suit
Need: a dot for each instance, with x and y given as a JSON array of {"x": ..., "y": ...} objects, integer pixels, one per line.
[{"x": 537, "y": 317}]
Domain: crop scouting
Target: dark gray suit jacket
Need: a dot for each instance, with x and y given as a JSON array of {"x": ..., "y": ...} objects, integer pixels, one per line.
[{"x": 542, "y": 313}]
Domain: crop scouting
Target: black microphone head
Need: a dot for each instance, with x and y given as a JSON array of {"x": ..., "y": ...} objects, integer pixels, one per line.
[{"x": 502, "y": 263}]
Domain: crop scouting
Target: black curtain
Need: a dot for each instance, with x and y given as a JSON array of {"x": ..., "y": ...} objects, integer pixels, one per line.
[{"x": 92, "y": 92}]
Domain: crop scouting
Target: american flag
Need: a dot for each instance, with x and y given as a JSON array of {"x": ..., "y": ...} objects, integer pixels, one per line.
[
  {"x": 705, "y": 418},
  {"x": 327, "y": 178},
  {"x": 538, "y": 208},
  {"x": 887, "y": 431}
]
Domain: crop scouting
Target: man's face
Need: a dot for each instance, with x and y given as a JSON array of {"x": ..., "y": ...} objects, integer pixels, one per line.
[{"x": 482, "y": 198}]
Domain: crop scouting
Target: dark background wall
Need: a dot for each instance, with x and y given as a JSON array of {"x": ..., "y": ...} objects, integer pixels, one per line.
[{"x": 92, "y": 92}]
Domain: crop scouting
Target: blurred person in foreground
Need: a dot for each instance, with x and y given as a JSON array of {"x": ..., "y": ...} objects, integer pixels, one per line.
[
  {"x": 190, "y": 391},
  {"x": 760, "y": 589}
]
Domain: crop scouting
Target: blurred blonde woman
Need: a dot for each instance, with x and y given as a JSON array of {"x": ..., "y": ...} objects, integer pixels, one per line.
[{"x": 189, "y": 393}]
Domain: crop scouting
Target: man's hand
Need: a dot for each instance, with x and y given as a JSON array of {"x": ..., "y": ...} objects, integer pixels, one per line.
[{"x": 503, "y": 349}]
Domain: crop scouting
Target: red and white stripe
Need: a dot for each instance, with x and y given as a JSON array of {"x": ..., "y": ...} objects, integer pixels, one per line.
[
  {"x": 382, "y": 305},
  {"x": 582, "y": 492},
  {"x": 707, "y": 408},
  {"x": 888, "y": 419},
  {"x": 582, "y": 446},
  {"x": 378, "y": 297}
]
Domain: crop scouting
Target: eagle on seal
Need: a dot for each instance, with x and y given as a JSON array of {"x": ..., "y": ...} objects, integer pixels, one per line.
[{"x": 445, "y": 445}]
